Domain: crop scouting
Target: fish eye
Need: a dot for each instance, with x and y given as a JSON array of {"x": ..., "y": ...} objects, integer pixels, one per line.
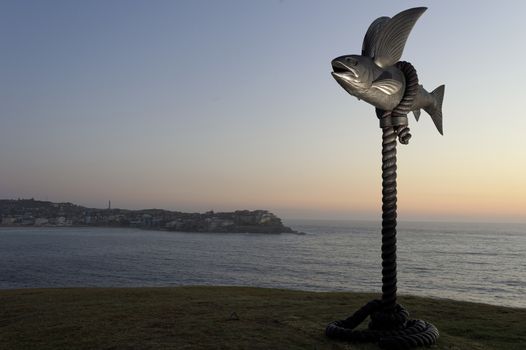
[{"x": 351, "y": 61}]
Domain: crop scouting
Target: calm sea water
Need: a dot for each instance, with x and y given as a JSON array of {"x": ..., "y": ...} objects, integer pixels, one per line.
[{"x": 475, "y": 262}]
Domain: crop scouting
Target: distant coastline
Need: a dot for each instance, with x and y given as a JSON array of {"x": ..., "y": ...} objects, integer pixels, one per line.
[{"x": 36, "y": 213}]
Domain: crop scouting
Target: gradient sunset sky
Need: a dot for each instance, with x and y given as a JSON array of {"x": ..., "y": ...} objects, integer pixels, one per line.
[{"x": 199, "y": 105}]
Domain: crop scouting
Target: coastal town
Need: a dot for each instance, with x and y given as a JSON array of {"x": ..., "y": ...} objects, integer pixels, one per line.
[{"x": 31, "y": 212}]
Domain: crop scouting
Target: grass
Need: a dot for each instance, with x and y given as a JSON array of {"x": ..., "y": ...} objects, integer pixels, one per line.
[{"x": 200, "y": 318}]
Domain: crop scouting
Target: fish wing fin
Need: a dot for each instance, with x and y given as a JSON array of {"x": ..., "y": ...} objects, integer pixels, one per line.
[
  {"x": 388, "y": 86},
  {"x": 390, "y": 40},
  {"x": 435, "y": 109},
  {"x": 416, "y": 112},
  {"x": 371, "y": 37}
]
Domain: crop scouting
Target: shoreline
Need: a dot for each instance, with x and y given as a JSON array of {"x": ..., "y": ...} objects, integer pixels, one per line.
[
  {"x": 162, "y": 229},
  {"x": 372, "y": 294}
]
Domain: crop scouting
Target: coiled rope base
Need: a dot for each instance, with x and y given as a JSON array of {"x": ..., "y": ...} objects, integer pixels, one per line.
[
  {"x": 390, "y": 325},
  {"x": 391, "y": 330}
]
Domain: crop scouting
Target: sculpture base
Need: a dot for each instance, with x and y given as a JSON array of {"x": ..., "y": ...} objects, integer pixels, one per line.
[{"x": 390, "y": 329}]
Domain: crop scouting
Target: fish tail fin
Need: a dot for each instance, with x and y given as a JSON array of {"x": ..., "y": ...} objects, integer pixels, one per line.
[{"x": 435, "y": 109}]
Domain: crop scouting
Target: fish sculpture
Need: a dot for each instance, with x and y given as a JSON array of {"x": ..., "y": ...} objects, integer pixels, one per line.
[{"x": 373, "y": 76}]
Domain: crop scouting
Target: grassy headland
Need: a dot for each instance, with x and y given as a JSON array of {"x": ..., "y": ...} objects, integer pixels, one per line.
[{"x": 201, "y": 318}]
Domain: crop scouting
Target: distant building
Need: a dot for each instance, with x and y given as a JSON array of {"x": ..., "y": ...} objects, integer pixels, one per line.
[
  {"x": 147, "y": 220},
  {"x": 41, "y": 221},
  {"x": 8, "y": 221}
]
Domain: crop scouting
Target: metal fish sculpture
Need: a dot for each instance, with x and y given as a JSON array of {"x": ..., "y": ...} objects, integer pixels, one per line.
[{"x": 372, "y": 75}]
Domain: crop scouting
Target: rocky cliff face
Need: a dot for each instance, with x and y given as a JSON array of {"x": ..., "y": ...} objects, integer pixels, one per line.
[{"x": 257, "y": 221}]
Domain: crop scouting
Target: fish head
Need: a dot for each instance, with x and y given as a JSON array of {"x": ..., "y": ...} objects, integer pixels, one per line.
[{"x": 354, "y": 73}]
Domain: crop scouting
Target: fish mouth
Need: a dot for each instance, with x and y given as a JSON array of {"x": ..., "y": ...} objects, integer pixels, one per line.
[
  {"x": 344, "y": 75},
  {"x": 340, "y": 69}
]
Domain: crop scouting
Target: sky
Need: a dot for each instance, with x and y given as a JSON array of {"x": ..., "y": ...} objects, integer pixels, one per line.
[{"x": 223, "y": 105}]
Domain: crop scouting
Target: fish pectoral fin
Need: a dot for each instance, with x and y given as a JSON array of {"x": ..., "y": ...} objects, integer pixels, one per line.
[
  {"x": 416, "y": 112},
  {"x": 388, "y": 86}
]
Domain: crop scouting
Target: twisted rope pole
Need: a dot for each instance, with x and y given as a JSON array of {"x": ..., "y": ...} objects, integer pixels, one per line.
[
  {"x": 389, "y": 193},
  {"x": 389, "y": 218},
  {"x": 390, "y": 325}
]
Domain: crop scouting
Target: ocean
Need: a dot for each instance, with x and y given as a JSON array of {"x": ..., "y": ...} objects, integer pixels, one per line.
[{"x": 473, "y": 262}]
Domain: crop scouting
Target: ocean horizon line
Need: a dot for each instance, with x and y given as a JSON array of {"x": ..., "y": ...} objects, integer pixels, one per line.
[{"x": 379, "y": 220}]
